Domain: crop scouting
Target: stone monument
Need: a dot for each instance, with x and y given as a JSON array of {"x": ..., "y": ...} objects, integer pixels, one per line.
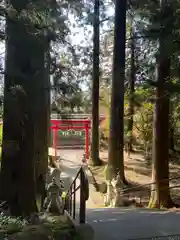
[{"x": 54, "y": 202}]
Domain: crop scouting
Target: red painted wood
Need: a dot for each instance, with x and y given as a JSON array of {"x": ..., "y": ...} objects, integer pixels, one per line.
[
  {"x": 58, "y": 124},
  {"x": 69, "y": 121},
  {"x": 69, "y": 127},
  {"x": 87, "y": 141}
]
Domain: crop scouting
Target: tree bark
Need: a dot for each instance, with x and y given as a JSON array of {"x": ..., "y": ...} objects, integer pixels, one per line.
[
  {"x": 160, "y": 195},
  {"x": 95, "y": 89},
  {"x": 130, "y": 111},
  {"x": 116, "y": 137},
  {"x": 42, "y": 123},
  {"x": 24, "y": 68}
]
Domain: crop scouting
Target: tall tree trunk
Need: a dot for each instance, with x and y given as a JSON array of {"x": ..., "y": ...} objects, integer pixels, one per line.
[
  {"x": 171, "y": 129},
  {"x": 24, "y": 68},
  {"x": 42, "y": 137},
  {"x": 130, "y": 112},
  {"x": 116, "y": 137},
  {"x": 95, "y": 89},
  {"x": 160, "y": 195}
]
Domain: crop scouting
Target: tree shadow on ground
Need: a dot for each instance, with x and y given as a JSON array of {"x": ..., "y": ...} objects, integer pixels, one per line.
[
  {"x": 136, "y": 194},
  {"x": 139, "y": 168},
  {"x": 138, "y": 173},
  {"x": 139, "y": 195}
]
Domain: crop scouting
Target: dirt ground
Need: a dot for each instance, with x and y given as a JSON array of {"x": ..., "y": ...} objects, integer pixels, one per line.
[{"x": 138, "y": 173}]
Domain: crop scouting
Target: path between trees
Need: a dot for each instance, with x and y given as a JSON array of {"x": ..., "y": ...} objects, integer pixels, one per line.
[{"x": 121, "y": 223}]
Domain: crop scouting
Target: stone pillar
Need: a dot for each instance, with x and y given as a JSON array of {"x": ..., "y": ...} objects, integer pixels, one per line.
[
  {"x": 108, "y": 177},
  {"x": 118, "y": 191}
]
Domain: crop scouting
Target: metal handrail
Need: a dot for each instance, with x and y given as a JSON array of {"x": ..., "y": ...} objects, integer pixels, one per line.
[{"x": 70, "y": 199}]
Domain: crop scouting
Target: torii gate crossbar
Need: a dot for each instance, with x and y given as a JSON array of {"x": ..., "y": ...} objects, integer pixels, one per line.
[{"x": 68, "y": 124}]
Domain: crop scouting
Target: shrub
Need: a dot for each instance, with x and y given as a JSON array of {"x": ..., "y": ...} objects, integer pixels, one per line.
[
  {"x": 143, "y": 123},
  {"x": 11, "y": 225}
]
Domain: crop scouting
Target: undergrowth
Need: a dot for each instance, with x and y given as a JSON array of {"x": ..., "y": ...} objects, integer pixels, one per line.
[{"x": 11, "y": 224}]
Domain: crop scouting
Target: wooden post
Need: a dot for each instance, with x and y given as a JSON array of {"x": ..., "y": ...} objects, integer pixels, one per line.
[
  {"x": 55, "y": 141},
  {"x": 54, "y": 136},
  {"x": 87, "y": 141}
]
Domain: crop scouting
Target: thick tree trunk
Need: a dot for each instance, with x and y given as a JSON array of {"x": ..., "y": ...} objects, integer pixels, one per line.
[
  {"x": 18, "y": 165},
  {"x": 95, "y": 89},
  {"x": 42, "y": 123},
  {"x": 116, "y": 137},
  {"x": 160, "y": 195},
  {"x": 24, "y": 67},
  {"x": 130, "y": 112}
]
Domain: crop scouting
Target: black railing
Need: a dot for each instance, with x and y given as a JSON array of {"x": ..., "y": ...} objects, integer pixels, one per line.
[{"x": 70, "y": 199}]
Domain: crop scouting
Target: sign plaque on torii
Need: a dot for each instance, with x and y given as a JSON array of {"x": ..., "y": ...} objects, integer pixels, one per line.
[{"x": 71, "y": 124}]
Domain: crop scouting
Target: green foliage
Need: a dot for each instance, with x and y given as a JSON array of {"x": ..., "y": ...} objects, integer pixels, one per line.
[
  {"x": 10, "y": 224},
  {"x": 105, "y": 107},
  {"x": 143, "y": 117},
  {"x": 105, "y": 126},
  {"x": 52, "y": 227},
  {"x": 35, "y": 15},
  {"x": 143, "y": 120}
]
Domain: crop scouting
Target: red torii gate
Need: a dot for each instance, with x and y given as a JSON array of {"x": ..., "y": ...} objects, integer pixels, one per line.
[{"x": 74, "y": 124}]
